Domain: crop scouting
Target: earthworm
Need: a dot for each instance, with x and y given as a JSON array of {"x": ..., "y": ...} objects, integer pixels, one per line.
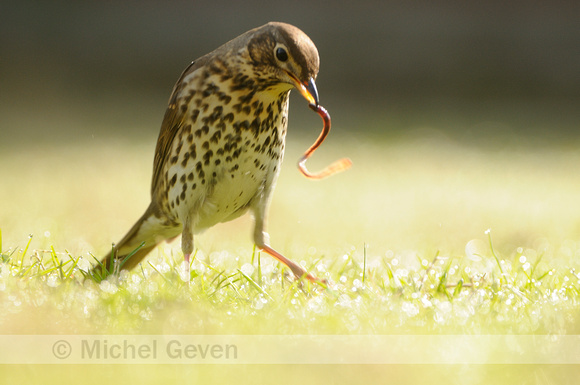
[{"x": 333, "y": 168}]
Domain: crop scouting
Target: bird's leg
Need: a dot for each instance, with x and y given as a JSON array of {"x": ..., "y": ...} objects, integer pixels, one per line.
[
  {"x": 261, "y": 239},
  {"x": 187, "y": 245},
  {"x": 298, "y": 271}
]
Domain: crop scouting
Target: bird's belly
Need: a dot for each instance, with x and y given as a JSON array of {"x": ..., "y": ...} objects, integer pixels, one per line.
[
  {"x": 227, "y": 191},
  {"x": 230, "y": 197}
]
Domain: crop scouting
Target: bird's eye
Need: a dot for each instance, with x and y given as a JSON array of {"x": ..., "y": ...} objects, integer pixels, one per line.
[{"x": 281, "y": 54}]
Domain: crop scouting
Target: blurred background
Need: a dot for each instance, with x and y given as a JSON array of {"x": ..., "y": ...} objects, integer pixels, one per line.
[
  {"x": 459, "y": 116},
  {"x": 474, "y": 70}
]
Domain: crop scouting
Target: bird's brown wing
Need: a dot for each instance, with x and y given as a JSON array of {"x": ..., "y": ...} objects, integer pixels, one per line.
[{"x": 172, "y": 122}]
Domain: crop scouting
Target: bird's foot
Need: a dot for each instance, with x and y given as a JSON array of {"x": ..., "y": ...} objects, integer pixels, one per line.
[{"x": 298, "y": 270}]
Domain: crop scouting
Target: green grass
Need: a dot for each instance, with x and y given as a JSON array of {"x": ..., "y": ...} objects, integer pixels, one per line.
[
  {"x": 402, "y": 237},
  {"x": 227, "y": 294}
]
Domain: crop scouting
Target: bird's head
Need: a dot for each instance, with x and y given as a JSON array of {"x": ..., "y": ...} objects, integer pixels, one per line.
[{"x": 283, "y": 54}]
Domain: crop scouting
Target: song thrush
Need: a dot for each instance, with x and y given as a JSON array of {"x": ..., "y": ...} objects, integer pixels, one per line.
[{"x": 222, "y": 140}]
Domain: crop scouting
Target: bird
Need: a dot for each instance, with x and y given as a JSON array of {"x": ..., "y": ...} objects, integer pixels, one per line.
[{"x": 222, "y": 141}]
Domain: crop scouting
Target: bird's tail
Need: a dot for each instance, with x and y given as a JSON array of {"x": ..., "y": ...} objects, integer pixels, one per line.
[{"x": 145, "y": 234}]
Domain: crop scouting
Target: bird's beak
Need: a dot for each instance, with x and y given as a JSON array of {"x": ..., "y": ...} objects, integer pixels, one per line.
[{"x": 307, "y": 89}]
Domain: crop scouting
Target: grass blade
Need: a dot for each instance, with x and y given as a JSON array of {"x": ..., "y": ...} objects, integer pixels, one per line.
[{"x": 254, "y": 284}]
